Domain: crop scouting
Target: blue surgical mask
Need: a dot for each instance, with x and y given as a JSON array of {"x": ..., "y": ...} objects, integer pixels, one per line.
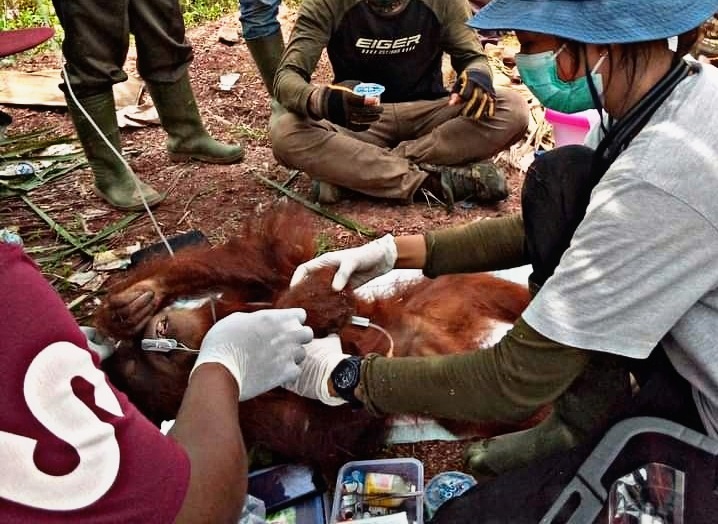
[{"x": 539, "y": 71}]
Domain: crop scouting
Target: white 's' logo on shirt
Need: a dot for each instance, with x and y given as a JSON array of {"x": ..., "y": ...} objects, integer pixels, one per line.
[{"x": 48, "y": 393}]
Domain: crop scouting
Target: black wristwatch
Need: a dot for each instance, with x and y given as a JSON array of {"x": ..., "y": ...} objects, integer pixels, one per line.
[{"x": 345, "y": 379}]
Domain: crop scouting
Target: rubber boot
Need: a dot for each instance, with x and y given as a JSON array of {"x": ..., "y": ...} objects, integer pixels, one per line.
[
  {"x": 592, "y": 403},
  {"x": 267, "y": 53},
  {"x": 187, "y": 139},
  {"x": 114, "y": 182}
]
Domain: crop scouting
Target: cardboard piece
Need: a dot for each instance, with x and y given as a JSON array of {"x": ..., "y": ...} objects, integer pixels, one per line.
[{"x": 40, "y": 88}]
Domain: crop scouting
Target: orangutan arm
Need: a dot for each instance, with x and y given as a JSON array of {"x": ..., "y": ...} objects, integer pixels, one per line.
[
  {"x": 156, "y": 283},
  {"x": 207, "y": 427},
  {"x": 505, "y": 383},
  {"x": 182, "y": 274}
]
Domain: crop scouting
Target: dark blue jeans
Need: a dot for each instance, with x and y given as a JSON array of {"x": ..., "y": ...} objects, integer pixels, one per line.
[{"x": 259, "y": 18}]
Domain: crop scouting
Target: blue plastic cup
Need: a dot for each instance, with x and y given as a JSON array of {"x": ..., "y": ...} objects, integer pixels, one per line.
[{"x": 369, "y": 90}]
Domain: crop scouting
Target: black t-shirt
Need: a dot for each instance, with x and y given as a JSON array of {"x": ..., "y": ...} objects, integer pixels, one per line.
[
  {"x": 399, "y": 52},
  {"x": 403, "y": 52}
]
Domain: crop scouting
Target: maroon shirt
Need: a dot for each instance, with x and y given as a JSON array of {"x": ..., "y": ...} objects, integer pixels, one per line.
[{"x": 72, "y": 448}]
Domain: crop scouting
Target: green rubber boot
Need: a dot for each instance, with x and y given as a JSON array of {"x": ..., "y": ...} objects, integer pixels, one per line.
[
  {"x": 590, "y": 405},
  {"x": 187, "y": 138},
  {"x": 267, "y": 53},
  {"x": 114, "y": 182}
]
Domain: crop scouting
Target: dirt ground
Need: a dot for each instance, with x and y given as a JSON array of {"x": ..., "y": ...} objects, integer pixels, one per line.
[{"x": 212, "y": 198}]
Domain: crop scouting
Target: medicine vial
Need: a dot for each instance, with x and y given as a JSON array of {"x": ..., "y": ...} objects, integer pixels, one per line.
[{"x": 386, "y": 489}]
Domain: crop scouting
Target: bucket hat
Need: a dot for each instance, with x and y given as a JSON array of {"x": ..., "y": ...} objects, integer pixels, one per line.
[
  {"x": 19, "y": 40},
  {"x": 597, "y": 21}
]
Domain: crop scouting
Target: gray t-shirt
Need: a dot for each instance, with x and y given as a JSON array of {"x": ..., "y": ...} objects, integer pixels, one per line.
[{"x": 642, "y": 267}]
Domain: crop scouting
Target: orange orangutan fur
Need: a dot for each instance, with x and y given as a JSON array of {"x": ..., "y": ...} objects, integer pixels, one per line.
[{"x": 449, "y": 314}]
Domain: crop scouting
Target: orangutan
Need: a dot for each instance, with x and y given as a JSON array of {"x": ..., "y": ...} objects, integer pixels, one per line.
[{"x": 251, "y": 271}]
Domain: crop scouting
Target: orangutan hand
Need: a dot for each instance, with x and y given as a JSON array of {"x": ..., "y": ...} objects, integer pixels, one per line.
[{"x": 134, "y": 307}]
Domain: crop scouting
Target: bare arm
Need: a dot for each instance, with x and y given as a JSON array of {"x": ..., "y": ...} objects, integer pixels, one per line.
[
  {"x": 207, "y": 426},
  {"x": 484, "y": 245},
  {"x": 411, "y": 252}
]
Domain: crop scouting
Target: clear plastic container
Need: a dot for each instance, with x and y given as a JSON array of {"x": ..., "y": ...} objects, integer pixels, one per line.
[
  {"x": 651, "y": 494},
  {"x": 411, "y": 472}
]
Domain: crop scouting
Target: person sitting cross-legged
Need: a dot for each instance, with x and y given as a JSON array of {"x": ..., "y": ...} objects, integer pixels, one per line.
[{"x": 420, "y": 135}]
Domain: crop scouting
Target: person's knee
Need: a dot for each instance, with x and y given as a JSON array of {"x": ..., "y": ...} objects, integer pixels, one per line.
[
  {"x": 558, "y": 175},
  {"x": 554, "y": 197},
  {"x": 285, "y": 134},
  {"x": 517, "y": 113},
  {"x": 278, "y": 134}
]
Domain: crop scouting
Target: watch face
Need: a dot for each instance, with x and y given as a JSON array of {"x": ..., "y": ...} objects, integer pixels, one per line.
[{"x": 346, "y": 377}]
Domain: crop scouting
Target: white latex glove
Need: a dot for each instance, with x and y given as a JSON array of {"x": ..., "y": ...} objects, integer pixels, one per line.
[
  {"x": 260, "y": 349},
  {"x": 97, "y": 343},
  {"x": 323, "y": 355},
  {"x": 356, "y": 265}
]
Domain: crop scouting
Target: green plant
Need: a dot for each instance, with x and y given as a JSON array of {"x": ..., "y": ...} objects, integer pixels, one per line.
[
  {"x": 197, "y": 11},
  {"x": 18, "y": 14},
  {"x": 247, "y": 131},
  {"x": 27, "y": 13}
]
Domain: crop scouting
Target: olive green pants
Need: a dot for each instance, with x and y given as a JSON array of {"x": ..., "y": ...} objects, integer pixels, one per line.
[{"x": 97, "y": 38}]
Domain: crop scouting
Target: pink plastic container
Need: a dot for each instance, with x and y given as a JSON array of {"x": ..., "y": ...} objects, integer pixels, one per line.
[{"x": 571, "y": 128}]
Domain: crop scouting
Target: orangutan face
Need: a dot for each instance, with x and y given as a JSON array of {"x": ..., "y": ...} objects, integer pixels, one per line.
[
  {"x": 154, "y": 382},
  {"x": 186, "y": 326}
]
